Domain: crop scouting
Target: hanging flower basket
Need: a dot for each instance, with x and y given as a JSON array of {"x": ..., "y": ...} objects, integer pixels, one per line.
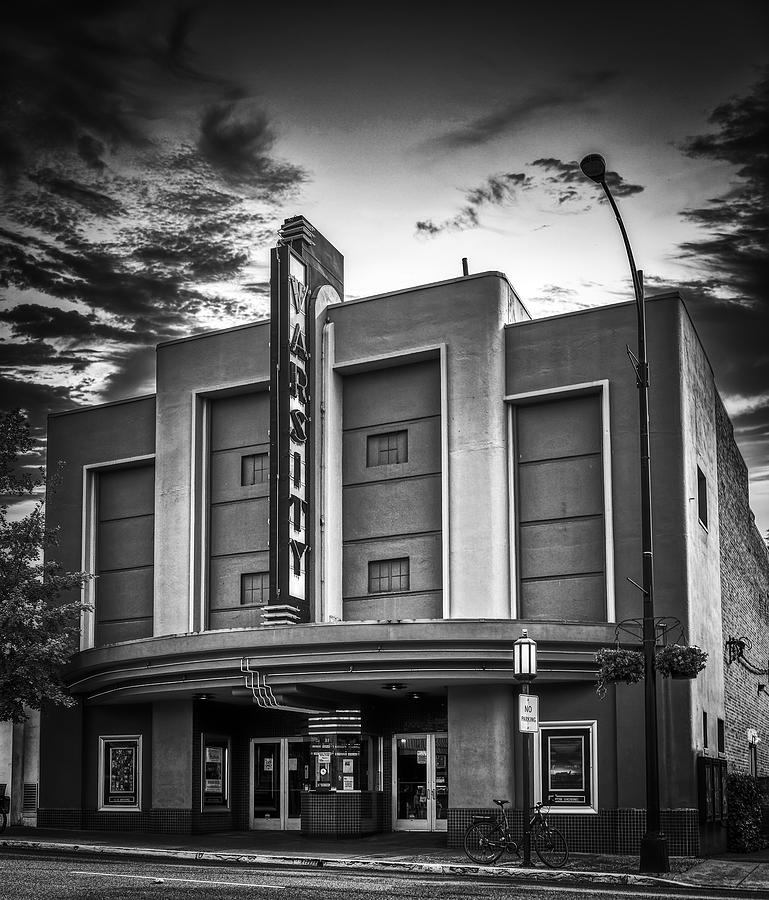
[
  {"x": 680, "y": 661},
  {"x": 616, "y": 665}
]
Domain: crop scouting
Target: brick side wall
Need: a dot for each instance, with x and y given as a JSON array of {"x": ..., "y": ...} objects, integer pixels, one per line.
[{"x": 744, "y": 603}]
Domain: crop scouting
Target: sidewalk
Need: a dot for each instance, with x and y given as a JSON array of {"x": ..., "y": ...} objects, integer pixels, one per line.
[{"x": 394, "y": 852}]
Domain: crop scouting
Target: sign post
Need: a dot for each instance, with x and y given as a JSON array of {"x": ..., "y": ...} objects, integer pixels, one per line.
[{"x": 525, "y": 671}]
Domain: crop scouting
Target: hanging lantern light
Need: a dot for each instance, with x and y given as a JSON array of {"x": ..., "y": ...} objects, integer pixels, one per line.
[{"x": 525, "y": 658}]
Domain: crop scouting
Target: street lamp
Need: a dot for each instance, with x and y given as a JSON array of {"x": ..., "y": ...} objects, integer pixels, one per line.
[
  {"x": 654, "y": 848},
  {"x": 525, "y": 671}
]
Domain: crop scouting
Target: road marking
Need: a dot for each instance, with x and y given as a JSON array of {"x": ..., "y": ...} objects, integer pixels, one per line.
[{"x": 157, "y": 879}]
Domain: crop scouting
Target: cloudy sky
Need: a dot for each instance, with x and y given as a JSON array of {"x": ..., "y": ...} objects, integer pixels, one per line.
[{"x": 150, "y": 150}]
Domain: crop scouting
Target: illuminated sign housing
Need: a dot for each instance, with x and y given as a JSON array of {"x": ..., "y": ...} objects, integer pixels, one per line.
[{"x": 303, "y": 263}]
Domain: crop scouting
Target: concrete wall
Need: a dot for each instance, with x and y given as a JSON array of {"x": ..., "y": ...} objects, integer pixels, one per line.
[
  {"x": 589, "y": 347},
  {"x": 464, "y": 320},
  {"x": 125, "y": 504},
  {"x": 187, "y": 371},
  {"x": 393, "y": 511},
  {"x": 172, "y": 754},
  {"x": 89, "y": 437},
  {"x": 558, "y": 472},
  {"x": 481, "y": 734},
  {"x": 697, "y": 432},
  {"x": 238, "y": 538}
]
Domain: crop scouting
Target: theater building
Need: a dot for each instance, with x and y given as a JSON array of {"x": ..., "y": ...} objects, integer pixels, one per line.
[{"x": 317, "y": 542}]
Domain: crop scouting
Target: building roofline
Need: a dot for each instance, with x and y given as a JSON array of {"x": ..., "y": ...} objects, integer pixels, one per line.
[
  {"x": 91, "y": 406},
  {"x": 205, "y": 334},
  {"x": 665, "y": 295},
  {"x": 491, "y": 273},
  {"x": 674, "y": 294}
]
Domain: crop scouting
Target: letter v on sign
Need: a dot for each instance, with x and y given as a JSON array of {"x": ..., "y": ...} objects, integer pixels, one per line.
[{"x": 298, "y": 295}]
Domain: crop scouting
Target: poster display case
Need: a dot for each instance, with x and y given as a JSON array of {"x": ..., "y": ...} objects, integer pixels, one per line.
[
  {"x": 215, "y": 772},
  {"x": 120, "y": 772}
]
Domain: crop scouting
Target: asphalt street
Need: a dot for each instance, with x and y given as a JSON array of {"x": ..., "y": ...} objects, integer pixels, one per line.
[{"x": 52, "y": 876}]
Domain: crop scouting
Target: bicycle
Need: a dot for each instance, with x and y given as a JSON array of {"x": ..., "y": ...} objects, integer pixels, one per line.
[{"x": 489, "y": 836}]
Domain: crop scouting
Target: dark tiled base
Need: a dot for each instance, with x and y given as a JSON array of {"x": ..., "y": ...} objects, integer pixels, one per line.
[
  {"x": 172, "y": 821},
  {"x": 338, "y": 814},
  {"x": 610, "y": 831}
]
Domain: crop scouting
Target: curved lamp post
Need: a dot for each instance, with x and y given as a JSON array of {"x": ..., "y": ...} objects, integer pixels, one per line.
[{"x": 654, "y": 848}]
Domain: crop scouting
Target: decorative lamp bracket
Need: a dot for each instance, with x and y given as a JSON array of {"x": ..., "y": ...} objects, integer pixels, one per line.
[
  {"x": 663, "y": 627},
  {"x": 735, "y": 652}
]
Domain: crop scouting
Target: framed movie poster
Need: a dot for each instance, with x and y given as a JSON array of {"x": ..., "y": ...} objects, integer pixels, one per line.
[
  {"x": 120, "y": 772},
  {"x": 566, "y": 763},
  {"x": 215, "y": 759}
]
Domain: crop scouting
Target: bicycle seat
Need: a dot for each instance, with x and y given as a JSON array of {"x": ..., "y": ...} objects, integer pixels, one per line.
[{"x": 501, "y": 803}]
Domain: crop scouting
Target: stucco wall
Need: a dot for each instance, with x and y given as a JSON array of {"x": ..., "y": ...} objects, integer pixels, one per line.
[
  {"x": 186, "y": 371},
  {"x": 698, "y": 441},
  {"x": 481, "y": 732},
  {"x": 100, "y": 434},
  {"x": 589, "y": 347},
  {"x": 465, "y": 318},
  {"x": 172, "y": 754}
]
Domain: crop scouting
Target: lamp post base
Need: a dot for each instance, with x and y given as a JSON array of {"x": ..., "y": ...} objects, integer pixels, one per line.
[{"x": 654, "y": 853}]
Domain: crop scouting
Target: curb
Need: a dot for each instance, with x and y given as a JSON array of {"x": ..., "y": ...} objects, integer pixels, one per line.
[{"x": 556, "y": 876}]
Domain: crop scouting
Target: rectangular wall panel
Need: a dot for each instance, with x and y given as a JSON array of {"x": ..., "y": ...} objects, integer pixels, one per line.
[
  {"x": 124, "y": 554},
  {"x": 238, "y": 532},
  {"x": 561, "y": 539},
  {"x": 393, "y": 510}
]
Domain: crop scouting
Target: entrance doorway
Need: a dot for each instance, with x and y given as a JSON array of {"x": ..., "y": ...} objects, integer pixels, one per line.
[
  {"x": 280, "y": 771},
  {"x": 420, "y": 799}
]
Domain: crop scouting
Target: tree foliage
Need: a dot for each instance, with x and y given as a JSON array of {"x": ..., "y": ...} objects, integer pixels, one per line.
[
  {"x": 38, "y": 632},
  {"x": 743, "y": 802}
]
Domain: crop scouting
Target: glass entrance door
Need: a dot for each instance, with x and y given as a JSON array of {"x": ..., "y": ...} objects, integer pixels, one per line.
[
  {"x": 420, "y": 782},
  {"x": 280, "y": 772}
]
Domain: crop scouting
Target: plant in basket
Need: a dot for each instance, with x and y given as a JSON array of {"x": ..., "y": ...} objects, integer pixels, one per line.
[
  {"x": 616, "y": 665},
  {"x": 680, "y": 660}
]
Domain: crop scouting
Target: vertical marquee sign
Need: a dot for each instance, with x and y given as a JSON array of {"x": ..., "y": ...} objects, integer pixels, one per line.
[{"x": 302, "y": 263}]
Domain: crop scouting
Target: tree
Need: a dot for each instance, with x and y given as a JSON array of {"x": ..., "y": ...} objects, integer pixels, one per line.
[{"x": 38, "y": 632}]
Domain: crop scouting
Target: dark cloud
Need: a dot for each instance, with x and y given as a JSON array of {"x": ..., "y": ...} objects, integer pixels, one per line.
[
  {"x": 497, "y": 190},
  {"x": 237, "y": 139},
  {"x": 571, "y": 91},
  {"x": 570, "y": 181},
  {"x": 34, "y": 354},
  {"x": 37, "y": 322},
  {"x": 730, "y": 299},
  {"x": 36, "y": 399},
  {"x": 562, "y": 179},
  {"x": 90, "y": 199}
]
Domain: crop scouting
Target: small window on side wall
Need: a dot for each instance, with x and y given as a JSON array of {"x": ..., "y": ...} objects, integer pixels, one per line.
[
  {"x": 254, "y": 588},
  {"x": 120, "y": 772},
  {"x": 702, "y": 497},
  {"x": 388, "y": 575},
  {"x": 387, "y": 449},
  {"x": 254, "y": 469},
  {"x": 721, "y": 736}
]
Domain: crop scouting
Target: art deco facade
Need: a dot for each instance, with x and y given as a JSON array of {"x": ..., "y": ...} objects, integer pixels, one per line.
[{"x": 317, "y": 542}]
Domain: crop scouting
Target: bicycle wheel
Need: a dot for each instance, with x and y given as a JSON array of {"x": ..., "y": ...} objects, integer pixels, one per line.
[
  {"x": 3, "y": 820},
  {"x": 551, "y": 847},
  {"x": 484, "y": 842}
]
